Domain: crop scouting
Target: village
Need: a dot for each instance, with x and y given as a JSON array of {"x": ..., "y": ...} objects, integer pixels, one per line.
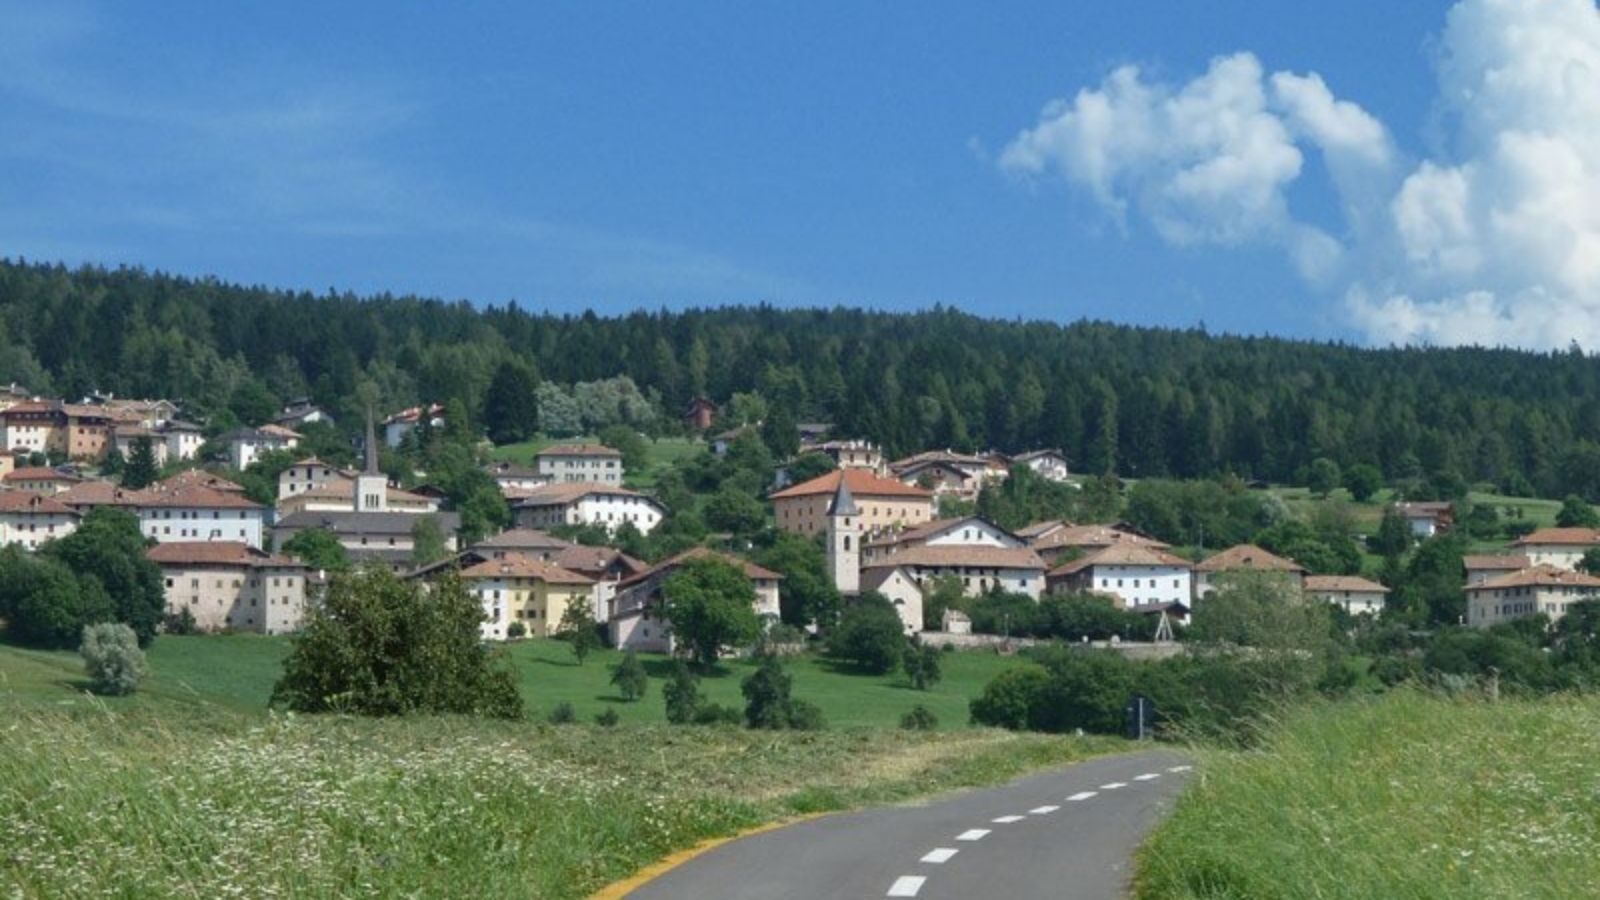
[{"x": 228, "y": 564}]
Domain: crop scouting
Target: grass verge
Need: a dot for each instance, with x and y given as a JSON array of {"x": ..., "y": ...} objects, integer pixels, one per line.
[
  {"x": 139, "y": 803},
  {"x": 1405, "y": 795}
]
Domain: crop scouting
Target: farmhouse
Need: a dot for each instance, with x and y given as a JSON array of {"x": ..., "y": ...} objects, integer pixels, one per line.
[
  {"x": 1055, "y": 540},
  {"x": 30, "y": 519},
  {"x": 1136, "y": 574},
  {"x": 1243, "y": 558},
  {"x": 516, "y": 588},
  {"x": 1050, "y": 465},
  {"x": 1484, "y": 567},
  {"x": 884, "y": 502},
  {"x": 1351, "y": 593},
  {"x": 583, "y": 503},
  {"x": 1426, "y": 519},
  {"x": 246, "y": 444},
  {"x": 1542, "y": 588},
  {"x": 580, "y": 464},
  {"x": 229, "y": 585},
  {"x": 1559, "y": 547},
  {"x": 638, "y": 623}
]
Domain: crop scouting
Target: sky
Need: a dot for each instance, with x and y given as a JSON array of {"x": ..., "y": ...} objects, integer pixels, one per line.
[{"x": 1377, "y": 172}]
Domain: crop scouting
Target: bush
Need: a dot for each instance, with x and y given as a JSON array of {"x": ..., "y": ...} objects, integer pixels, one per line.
[
  {"x": 1017, "y": 615},
  {"x": 629, "y": 677},
  {"x": 682, "y": 696},
  {"x": 1008, "y": 699},
  {"x": 768, "y": 704},
  {"x": 922, "y": 663},
  {"x": 180, "y": 622},
  {"x": 920, "y": 718},
  {"x": 717, "y": 714},
  {"x": 869, "y": 634},
  {"x": 607, "y": 719},
  {"x": 113, "y": 659},
  {"x": 378, "y": 645},
  {"x": 516, "y": 630},
  {"x": 563, "y": 714}
]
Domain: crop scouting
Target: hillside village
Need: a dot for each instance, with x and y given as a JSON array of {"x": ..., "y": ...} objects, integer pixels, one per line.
[{"x": 564, "y": 528}]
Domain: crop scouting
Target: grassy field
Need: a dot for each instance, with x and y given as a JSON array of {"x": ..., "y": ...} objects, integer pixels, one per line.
[
  {"x": 190, "y": 788},
  {"x": 1408, "y": 795},
  {"x": 236, "y": 673}
]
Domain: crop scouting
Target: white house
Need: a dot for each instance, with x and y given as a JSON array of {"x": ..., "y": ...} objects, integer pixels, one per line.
[
  {"x": 1050, "y": 465},
  {"x": 1135, "y": 574},
  {"x": 1559, "y": 547},
  {"x": 638, "y": 623},
  {"x": 301, "y": 411},
  {"x": 1016, "y": 570},
  {"x": 1541, "y": 588},
  {"x": 245, "y": 444},
  {"x": 580, "y": 464},
  {"x": 1353, "y": 594},
  {"x": 512, "y": 476},
  {"x": 1426, "y": 519},
  {"x": 309, "y": 474},
  {"x": 1487, "y": 567},
  {"x": 588, "y": 504},
  {"x": 397, "y": 426},
  {"x": 194, "y": 512},
  {"x": 31, "y": 519}
]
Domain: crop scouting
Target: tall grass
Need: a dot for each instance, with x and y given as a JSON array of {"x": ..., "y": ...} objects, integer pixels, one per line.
[
  {"x": 144, "y": 804},
  {"x": 1407, "y": 795}
]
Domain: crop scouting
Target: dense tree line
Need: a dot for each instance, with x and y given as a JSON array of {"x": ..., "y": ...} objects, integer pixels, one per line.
[{"x": 1134, "y": 401}]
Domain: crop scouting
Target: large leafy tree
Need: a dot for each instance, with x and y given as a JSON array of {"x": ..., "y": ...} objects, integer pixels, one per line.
[
  {"x": 108, "y": 547},
  {"x": 44, "y": 604},
  {"x": 318, "y": 548},
  {"x": 711, "y": 605},
  {"x": 382, "y": 646},
  {"x": 869, "y": 634}
]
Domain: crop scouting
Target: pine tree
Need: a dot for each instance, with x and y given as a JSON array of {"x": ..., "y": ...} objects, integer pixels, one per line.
[{"x": 141, "y": 469}]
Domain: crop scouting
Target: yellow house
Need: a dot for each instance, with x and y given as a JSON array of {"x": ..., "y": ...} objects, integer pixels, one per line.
[
  {"x": 884, "y": 502},
  {"x": 518, "y": 588}
]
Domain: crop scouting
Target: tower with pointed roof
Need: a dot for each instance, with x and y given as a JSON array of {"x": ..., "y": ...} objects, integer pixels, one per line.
[
  {"x": 844, "y": 539},
  {"x": 372, "y": 486}
]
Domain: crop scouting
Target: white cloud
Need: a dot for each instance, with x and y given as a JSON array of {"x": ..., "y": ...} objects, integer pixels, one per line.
[{"x": 1496, "y": 241}]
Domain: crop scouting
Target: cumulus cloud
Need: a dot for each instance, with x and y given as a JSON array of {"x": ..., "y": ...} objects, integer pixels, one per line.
[{"x": 1495, "y": 241}]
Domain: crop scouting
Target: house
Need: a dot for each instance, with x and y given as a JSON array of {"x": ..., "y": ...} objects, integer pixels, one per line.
[
  {"x": 8, "y": 464},
  {"x": 309, "y": 474},
  {"x": 12, "y": 394},
  {"x": 608, "y": 567},
  {"x": 93, "y": 494},
  {"x": 580, "y": 463},
  {"x": 388, "y": 537},
  {"x": 885, "y": 502},
  {"x": 722, "y": 441},
  {"x": 245, "y": 444},
  {"x": 74, "y": 430},
  {"x": 299, "y": 412},
  {"x": 1487, "y": 567},
  {"x": 699, "y": 414},
  {"x": 587, "y": 504},
  {"x": 638, "y": 623},
  {"x": 228, "y": 585},
  {"x": 528, "y": 542},
  {"x": 1559, "y": 547},
  {"x": 1135, "y": 574},
  {"x": 968, "y": 531},
  {"x": 1243, "y": 558},
  {"x": 397, "y": 426},
  {"x": 978, "y": 468},
  {"x": 198, "y": 478},
  {"x": 605, "y": 566},
  {"x": 898, "y": 585},
  {"x": 149, "y": 413},
  {"x": 191, "y": 512},
  {"x": 1056, "y": 541},
  {"x": 511, "y": 475},
  {"x": 853, "y": 454},
  {"x": 1539, "y": 589},
  {"x": 339, "y": 496},
  {"x": 979, "y": 569},
  {"x": 183, "y": 439},
  {"x": 812, "y": 433},
  {"x": 516, "y": 588},
  {"x": 30, "y": 426},
  {"x": 1050, "y": 465},
  {"x": 1353, "y": 594},
  {"x": 30, "y": 519},
  {"x": 943, "y": 478},
  {"x": 1427, "y": 519},
  {"x": 39, "y": 480},
  {"x": 126, "y": 439}
]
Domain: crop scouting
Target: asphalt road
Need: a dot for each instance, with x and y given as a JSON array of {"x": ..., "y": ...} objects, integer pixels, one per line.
[{"x": 1069, "y": 834}]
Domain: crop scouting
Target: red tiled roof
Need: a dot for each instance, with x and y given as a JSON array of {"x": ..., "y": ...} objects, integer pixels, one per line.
[
  {"x": 751, "y": 570},
  {"x": 1482, "y": 562},
  {"x": 1094, "y": 536},
  {"x": 578, "y": 450},
  {"x": 967, "y": 556},
  {"x": 861, "y": 482},
  {"x": 1248, "y": 556},
  {"x": 1539, "y": 576},
  {"x": 515, "y": 565},
  {"x": 1123, "y": 555},
  {"x": 1576, "y": 537},
  {"x": 39, "y": 473},
  {"x": 1351, "y": 583},
  {"x": 26, "y": 502},
  {"x": 216, "y": 553},
  {"x": 197, "y": 497},
  {"x": 562, "y": 494}
]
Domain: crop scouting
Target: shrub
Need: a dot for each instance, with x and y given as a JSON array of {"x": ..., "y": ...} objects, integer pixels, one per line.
[
  {"x": 768, "y": 704},
  {"x": 113, "y": 659},
  {"x": 607, "y": 719},
  {"x": 717, "y": 714},
  {"x": 629, "y": 677},
  {"x": 922, "y": 664},
  {"x": 869, "y": 634},
  {"x": 381, "y": 646},
  {"x": 1008, "y": 699},
  {"x": 563, "y": 714},
  {"x": 180, "y": 622},
  {"x": 920, "y": 718},
  {"x": 1016, "y": 615},
  {"x": 682, "y": 696},
  {"x": 516, "y": 630}
]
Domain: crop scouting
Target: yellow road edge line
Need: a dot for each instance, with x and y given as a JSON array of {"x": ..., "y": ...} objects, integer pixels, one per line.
[{"x": 655, "y": 870}]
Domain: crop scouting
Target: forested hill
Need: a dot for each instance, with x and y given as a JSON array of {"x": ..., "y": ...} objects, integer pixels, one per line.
[{"x": 1141, "y": 401}]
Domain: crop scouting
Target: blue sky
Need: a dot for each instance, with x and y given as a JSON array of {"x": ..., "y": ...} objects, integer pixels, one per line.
[{"x": 613, "y": 156}]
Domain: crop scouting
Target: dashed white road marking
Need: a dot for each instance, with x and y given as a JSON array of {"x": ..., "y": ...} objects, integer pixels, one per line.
[
  {"x": 1083, "y": 795},
  {"x": 1180, "y": 768},
  {"x": 974, "y": 834},
  {"x": 906, "y": 886},
  {"x": 940, "y": 855},
  {"x": 1006, "y": 820},
  {"x": 1043, "y": 810},
  {"x": 1148, "y": 776},
  {"x": 1113, "y": 785}
]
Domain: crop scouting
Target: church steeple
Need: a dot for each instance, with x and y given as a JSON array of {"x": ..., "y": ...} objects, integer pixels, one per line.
[
  {"x": 371, "y": 446},
  {"x": 372, "y": 486},
  {"x": 844, "y": 538}
]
